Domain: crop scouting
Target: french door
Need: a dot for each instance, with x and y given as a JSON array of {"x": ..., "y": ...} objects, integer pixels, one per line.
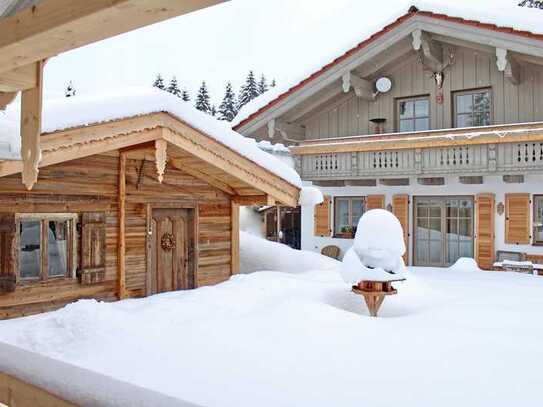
[{"x": 443, "y": 230}]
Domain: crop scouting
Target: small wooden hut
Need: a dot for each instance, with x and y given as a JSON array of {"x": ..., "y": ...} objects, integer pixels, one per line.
[{"x": 129, "y": 205}]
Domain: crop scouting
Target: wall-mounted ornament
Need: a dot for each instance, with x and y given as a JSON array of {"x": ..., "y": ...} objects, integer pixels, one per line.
[
  {"x": 500, "y": 208},
  {"x": 439, "y": 98},
  {"x": 167, "y": 242}
]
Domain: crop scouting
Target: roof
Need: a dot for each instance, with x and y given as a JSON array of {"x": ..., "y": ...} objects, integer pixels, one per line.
[
  {"x": 482, "y": 14},
  {"x": 86, "y": 110},
  {"x": 140, "y": 119}
]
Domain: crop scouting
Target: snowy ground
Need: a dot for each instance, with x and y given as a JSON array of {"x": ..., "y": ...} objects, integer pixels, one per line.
[{"x": 448, "y": 338}]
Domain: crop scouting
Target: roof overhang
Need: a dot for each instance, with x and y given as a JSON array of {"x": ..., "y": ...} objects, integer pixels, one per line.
[
  {"x": 189, "y": 150},
  {"x": 466, "y": 30}
]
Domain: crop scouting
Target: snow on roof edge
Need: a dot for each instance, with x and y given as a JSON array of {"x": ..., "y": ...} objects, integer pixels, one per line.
[{"x": 83, "y": 110}]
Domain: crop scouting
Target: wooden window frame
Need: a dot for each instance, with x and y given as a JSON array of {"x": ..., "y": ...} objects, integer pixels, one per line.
[
  {"x": 43, "y": 218},
  {"x": 535, "y": 242},
  {"x": 456, "y": 93},
  {"x": 397, "y": 102},
  {"x": 338, "y": 234}
]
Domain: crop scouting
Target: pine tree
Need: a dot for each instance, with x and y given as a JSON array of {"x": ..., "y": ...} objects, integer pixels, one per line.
[
  {"x": 262, "y": 85},
  {"x": 173, "y": 88},
  {"x": 249, "y": 91},
  {"x": 185, "y": 96},
  {"x": 273, "y": 84},
  {"x": 70, "y": 90},
  {"x": 202, "y": 99},
  {"x": 213, "y": 111},
  {"x": 159, "y": 82},
  {"x": 227, "y": 108}
]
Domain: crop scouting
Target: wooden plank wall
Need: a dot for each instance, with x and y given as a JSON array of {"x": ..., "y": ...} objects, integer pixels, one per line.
[
  {"x": 349, "y": 115},
  {"x": 90, "y": 184}
]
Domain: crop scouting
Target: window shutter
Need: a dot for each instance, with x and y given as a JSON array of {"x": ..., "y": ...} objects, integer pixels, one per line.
[
  {"x": 9, "y": 253},
  {"x": 400, "y": 208},
  {"x": 93, "y": 248},
  {"x": 484, "y": 243},
  {"x": 375, "y": 202},
  {"x": 322, "y": 218},
  {"x": 517, "y": 218}
]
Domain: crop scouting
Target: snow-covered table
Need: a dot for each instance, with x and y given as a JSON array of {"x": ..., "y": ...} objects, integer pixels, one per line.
[{"x": 374, "y": 293}]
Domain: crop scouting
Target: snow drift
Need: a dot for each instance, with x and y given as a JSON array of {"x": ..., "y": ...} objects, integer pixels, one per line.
[{"x": 258, "y": 254}]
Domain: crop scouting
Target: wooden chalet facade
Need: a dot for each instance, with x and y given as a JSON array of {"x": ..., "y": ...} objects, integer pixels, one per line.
[
  {"x": 453, "y": 144},
  {"x": 126, "y": 208}
]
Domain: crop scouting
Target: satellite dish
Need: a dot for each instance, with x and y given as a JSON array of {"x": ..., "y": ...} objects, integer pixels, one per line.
[{"x": 383, "y": 84}]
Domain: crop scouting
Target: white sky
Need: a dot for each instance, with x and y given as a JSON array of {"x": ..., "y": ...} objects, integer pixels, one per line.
[{"x": 285, "y": 39}]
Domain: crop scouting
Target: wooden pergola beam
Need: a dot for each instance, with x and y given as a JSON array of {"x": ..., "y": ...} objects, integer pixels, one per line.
[{"x": 55, "y": 26}]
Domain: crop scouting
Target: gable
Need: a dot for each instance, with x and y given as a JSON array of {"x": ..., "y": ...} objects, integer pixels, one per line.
[{"x": 475, "y": 32}]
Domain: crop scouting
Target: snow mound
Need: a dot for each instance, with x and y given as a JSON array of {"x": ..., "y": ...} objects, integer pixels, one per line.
[
  {"x": 464, "y": 264},
  {"x": 257, "y": 254},
  {"x": 310, "y": 196},
  {"x": 87, "y": 109},
  {"x": 377, "y": 251}
]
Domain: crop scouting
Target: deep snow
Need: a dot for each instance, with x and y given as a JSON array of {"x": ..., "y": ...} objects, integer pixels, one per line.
[{"x": 295, "y": 339}]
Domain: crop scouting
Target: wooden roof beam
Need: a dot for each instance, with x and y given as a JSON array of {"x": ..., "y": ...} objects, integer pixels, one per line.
[
  {"x": 431, "y": 49},
  {"x": 19, "y": 79},
  {"x": 362, "y": 87},
  {"x": 55, "y": 26},
  {"x": 6, "y": 98},
  {"x": 214, "y": 182},
  {"x": 508, "y": 65}
]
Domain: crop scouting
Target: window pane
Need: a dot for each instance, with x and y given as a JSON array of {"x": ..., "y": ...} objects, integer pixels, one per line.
[
  {"x": 422, "y": 108},
  {"x": 358, "y": 208},
  {"x": 481, "y": 119},
  {"x": 464, "y": 120},
  {"x": 406, "y": 108},
  {"x": 30, "y": 249},
  {"x": 481, "y": 102},
  {"x": 57, "y": 235},
  {"x": 342, "y": 211},
  {"x": 464, "y": 103},
  {"x": 407, "y": 125},
  {"x": 422, "y": 124}
]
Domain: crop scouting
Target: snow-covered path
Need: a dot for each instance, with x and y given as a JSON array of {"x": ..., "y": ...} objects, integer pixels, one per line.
[{"x": 276, "y": 339}]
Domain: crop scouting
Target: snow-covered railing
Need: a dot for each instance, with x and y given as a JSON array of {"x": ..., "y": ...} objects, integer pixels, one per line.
[{"x": 30, "y": 379}]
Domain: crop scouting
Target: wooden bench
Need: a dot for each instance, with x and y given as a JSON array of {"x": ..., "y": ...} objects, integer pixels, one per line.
[
  {"x": 374, "y": 293},
  {"x": 519, "y": 262}
]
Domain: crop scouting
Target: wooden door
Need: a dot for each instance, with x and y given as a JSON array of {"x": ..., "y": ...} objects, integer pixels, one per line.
[{"x": 170, "y": 257}]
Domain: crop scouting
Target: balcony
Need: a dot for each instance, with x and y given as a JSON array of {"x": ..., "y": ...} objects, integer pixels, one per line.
[{"x": 492, "y": 150}]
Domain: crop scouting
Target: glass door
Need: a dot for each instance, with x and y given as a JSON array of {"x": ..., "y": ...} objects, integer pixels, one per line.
[
  {"x": 443, "y": 230},
  {"x": 428, "y": 232}
]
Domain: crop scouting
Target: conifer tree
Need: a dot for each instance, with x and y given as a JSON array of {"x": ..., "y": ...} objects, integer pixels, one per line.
[
  {"x": 185, "y": 95},
  {"x": 262, "y": 85},
  {"x": 249, "y": 90},
  {"x": 273, "y": 84},
  {"x": 159, "y": 82},
  {"x": 202, "y": 99},
  {"x": 227, "y": 108},
  {"x": 213, "y": 111},
  {"x": 173, "y": 88},
  {"x": 70, "y": 90}
]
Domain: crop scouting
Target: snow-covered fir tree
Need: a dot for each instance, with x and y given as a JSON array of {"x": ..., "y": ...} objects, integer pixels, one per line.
[
  {"x": 213, "y": 111},
  {"x": 202, "y": 99},
  {"x": 185, "y": 96},
  {"x": 70, "y": 90},
  {"x": 227, "y": 108},
  {"x": 273, "y": 84},
  {"x": 262, "y": 84},
  {"x": 173, "y": 88},
  {"x": 159, "y": 82},
  {"x": 248, "y": 91}
]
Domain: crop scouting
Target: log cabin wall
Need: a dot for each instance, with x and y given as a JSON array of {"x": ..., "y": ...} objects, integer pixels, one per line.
[
  {"x": 348, "y": 115},
  {"x": 90, "y": 184}
]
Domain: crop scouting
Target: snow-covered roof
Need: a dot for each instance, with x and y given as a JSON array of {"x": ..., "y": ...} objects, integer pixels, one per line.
[
  {"x": 506, "y": 16},
  {"x": 89, "y": 109},
  {"x": 278, "y": 148}
]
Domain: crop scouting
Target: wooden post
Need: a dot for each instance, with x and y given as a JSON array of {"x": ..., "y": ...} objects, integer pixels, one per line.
[
  {"x": 278, "y": 212},
  {"x": 234, "y": 237},
  {"x": 121, "y": 244},
  {"x": 31, "y": 112}
]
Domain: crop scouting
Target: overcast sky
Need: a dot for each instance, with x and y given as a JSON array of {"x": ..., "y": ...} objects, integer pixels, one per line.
[{"x": 285, "y": 39}]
